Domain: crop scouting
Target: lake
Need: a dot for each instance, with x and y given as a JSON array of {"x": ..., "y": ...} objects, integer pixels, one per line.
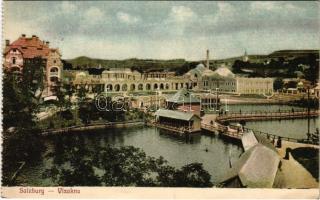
[{"x": 177, "y": 150}]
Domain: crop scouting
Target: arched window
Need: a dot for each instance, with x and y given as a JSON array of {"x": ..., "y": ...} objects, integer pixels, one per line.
[
  {"x": 54, "y": 69},
  {"x": 148, "y": 86},
  {"x": 124, "y": 87},
  {"x": 161, "y": 86},
  {"x": 117, "y": 87},
  {"x": 109, "y": 87},
  {"x": 167, "y": 86},
  {"x": 132, "y": 87}
]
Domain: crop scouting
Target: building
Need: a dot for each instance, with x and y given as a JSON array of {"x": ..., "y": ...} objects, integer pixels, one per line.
[
  {"x": 185, "y": 101},
  {"x": 245, "y": 57},
  {"x": 254, "y": 85},
  {"x": 178, "y": 121},
  {"x": 317, "y": 91},
  {"x": 122, "y": 80},
  {"x": 223, "y": 80},
  {"x": 27, "y": 49}
]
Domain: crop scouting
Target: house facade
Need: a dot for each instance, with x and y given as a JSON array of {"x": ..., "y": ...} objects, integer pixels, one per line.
[{"x": 24, "y": 50}]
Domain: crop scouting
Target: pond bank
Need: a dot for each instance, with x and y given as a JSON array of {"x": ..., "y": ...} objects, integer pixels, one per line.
[{"x": 93, "y": 126}]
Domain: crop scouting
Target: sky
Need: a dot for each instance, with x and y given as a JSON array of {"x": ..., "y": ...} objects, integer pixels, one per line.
[{"x": 165, "y": 30}]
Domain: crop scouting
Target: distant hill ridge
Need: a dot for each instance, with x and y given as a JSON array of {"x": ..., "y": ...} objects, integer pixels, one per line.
[{"x": 84, "y": 62}]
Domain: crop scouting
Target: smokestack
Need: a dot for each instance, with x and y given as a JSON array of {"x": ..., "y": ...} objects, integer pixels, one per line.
[
  {"x": 7, "y": 43},
  {"x": 208, "y": 65}
]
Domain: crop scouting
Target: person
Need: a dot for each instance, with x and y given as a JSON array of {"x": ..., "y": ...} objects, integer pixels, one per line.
[
  {"x": 287, "y": 154},
  {"x": 279, "y": 142}
]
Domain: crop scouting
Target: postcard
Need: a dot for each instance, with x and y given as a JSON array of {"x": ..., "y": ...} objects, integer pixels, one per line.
[{"x": 160, "y": 99}]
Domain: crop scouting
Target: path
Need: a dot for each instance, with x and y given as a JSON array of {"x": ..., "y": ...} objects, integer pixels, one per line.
[{"x": 293, "y": 174}]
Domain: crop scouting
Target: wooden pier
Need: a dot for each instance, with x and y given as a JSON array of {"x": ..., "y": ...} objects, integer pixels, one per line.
[
  {"x": 234, "y": 133},
  {"x": 178, "y": 130}
]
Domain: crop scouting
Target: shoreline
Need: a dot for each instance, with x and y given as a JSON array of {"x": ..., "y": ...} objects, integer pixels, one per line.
[{"x": 93, "y": 126}]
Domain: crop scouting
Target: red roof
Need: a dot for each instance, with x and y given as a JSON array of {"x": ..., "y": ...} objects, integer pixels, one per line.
[{"x": 30, "y": 47}]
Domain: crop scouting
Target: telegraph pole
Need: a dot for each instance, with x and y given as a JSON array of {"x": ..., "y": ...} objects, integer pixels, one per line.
[{"x": 308, "y": 112}]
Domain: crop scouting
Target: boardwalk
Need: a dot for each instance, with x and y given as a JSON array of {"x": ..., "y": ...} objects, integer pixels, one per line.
[
  {"x": 259, "y": 115},
  {"x": 179, "y": 130},
  {"x": 224, "y": 130}
]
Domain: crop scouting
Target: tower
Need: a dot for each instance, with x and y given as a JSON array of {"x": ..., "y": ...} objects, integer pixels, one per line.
[
  {"x": 245, "y": 56},
  {"x": 208, "y": 64}
]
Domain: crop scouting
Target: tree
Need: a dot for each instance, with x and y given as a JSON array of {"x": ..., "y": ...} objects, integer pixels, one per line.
[
  {"x": 124, "y": 166},
  {"x": 237, "y": 65},
  {"x": 278, "y": 84},
  {"x": 291, "y": 84},
  {"x": 21, "y": 98},
  {"x": 81, "y": 94},
  {"x": 192, "y": 175}
]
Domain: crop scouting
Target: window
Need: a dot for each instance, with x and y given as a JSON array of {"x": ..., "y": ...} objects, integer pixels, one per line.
[
  {"x": 54, "y": 61},
  {"x": 14, "y": 60},
  {"x": 54, "y": 69}
]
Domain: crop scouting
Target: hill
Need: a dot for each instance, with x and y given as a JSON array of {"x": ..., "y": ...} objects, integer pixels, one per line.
[
  {"x": 181, "y": 66},
  {"x": 293, "y": 53},
  {"x": 83, "y": 63}
]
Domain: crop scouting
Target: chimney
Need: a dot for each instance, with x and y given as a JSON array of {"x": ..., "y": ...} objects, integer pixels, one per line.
[
  {"x": 7, "y": 43},
  {"x": 47, "y": 43},
  {"x": 34, "y": 36},
  {"x": 208, "y": 65},
  {"x": 23, "y": 35}
]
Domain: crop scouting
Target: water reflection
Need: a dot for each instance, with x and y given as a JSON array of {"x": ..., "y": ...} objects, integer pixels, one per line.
[
  {"x": 212, "y": 151},
  {"x": 294, "y": 128}
]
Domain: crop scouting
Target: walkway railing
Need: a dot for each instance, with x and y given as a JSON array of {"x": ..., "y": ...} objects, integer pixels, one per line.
[
  {"x": 235, "y": 132},
  {"x": 257, "y": 115},
  {"x": 224, "y": 130}
]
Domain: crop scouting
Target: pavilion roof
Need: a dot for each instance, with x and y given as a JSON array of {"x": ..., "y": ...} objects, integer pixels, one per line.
[
  {"x": 183, "y": 96},
  {"x": 256, "y": 168}
]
